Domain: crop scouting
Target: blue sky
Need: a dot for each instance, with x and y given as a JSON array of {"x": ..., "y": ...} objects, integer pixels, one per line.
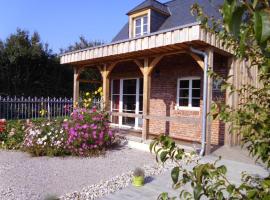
[{"x": 61, "y": 22}]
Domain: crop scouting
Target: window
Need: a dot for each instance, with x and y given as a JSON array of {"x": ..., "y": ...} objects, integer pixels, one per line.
[
  {"x": 141, "y": 26},
  {"x": 188, "y": 93}
]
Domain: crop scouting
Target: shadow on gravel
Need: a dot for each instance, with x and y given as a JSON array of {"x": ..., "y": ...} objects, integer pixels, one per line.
[{"x": 148, "y": 179}]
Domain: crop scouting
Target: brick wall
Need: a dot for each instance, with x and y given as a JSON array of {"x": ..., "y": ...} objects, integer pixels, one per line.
[{"x": 163, "y": 96}]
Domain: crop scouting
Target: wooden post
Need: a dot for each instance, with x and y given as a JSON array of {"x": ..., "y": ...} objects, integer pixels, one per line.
[
  {"x": 210, "y": 53},
  {"x": 146, "y": 69},
  {"x": 76, "y": 86},
  {"x": 105, "y": 72},
  {"x": 146, "y": 97},
  {"x": 229, "y": 99}
]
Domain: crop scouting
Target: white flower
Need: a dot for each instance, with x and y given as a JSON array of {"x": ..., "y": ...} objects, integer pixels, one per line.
[
  {"x": 48, "y": 124},
  {"x": 49, "y": 133},
  {"x": 39, "y": 141},
  {"x": 65, "y": 120},
  {"x": 44, "y": 138},
  {"x": 42, "y": 125},
  {"x": 61, "y": 131}
]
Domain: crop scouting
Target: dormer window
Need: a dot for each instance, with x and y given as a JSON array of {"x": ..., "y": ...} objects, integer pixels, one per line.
[{"x": 141, "y": 26}]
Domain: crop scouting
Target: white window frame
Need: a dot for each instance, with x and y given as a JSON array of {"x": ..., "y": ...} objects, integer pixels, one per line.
[
  {"x": 189, "y": 107},
  {"x": 136, "y": 127},
  {"x": 141, "y": 25}
]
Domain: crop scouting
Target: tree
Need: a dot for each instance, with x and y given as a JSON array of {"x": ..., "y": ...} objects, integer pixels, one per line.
[
  {"x": 245, "y": 27},
  {"x": 90, "y": 73},
  {"x": 28, "y": 67},
  {"x": 82, "y": 44}
]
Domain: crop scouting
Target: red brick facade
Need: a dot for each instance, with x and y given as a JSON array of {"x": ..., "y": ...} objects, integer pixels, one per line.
[{"x": 164, "y": 92}]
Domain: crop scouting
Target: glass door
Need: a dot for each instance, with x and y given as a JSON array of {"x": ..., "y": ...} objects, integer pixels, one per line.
[
  {"x": 127, "y": 97},
  {"x": 129, "y": 101}
]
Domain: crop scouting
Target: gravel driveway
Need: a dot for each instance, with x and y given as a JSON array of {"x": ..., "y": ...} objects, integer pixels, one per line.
[{"x": 24, "y": 177}]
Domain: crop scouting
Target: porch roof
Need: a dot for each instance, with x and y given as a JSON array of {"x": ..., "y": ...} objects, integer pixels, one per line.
[{"x": 176, "y": 39}]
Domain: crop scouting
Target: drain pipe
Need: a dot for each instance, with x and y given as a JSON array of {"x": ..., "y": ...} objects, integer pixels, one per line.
[{"x": 205, "y": 89}]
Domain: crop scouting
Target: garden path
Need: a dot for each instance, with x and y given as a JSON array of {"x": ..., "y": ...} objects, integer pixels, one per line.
[
  {"x": 235, "y": 159},
  {"x": 24, "y": 177}
]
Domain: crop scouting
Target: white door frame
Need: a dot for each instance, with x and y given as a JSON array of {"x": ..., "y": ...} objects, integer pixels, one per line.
[{"x": 120, "y": 119}]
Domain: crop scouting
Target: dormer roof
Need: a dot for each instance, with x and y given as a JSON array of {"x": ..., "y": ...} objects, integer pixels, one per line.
[
  {"x": 150, "y": 4},
  {"x": 179, "y": 14}
]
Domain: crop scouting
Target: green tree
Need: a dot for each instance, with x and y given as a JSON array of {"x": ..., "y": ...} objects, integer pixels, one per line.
[
  {"x": 81, "y": 44},
  {"x": 245, "y": 27},
  {"x": 28, "y": 67},
  {"x": 90, "y": 73}
]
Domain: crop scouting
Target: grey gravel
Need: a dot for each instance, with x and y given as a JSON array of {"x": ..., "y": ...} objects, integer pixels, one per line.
[
  {"x": 104, "y": 188},
  {"x": 24, "y": 177}
]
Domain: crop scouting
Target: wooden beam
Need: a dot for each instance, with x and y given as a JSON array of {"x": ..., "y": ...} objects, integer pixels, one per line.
[
  {"x": 229, "y": 99},
  {"x": 197, "y": 58},
  {"x": 154, "y": 63},
  {"x": 186, "y": 120},
  {"x": 210, "y": 53},
  {"x": 76, "y": 86},
  {"x": 140, "y": 65},
  {"x": 89, "y": 81}
]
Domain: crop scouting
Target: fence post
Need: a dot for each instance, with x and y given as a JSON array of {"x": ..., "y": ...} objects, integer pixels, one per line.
[{"x": 48, "y": 108}]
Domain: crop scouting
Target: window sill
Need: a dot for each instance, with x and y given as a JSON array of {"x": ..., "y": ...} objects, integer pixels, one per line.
[{"x": 187, "y": 108}]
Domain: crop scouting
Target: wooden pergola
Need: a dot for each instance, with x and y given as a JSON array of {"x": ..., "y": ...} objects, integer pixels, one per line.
[{"x": 146, "y": 52}]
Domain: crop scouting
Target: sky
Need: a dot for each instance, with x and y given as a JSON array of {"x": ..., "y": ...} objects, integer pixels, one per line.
[{"x": 61, "y": 22}]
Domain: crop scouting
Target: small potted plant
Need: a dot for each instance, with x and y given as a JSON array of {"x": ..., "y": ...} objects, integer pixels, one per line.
[{"x": 138, "y": 177}]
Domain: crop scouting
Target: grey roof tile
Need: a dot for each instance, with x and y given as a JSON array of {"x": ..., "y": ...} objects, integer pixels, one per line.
[
  {"x": 150, "y": 4},
  {"x": 180, "y": 14}
]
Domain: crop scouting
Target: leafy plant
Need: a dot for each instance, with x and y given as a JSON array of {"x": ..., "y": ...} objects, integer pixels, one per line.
[
  {"x": 207, "y": 180},
  {"x": 88, "y": 131},
  {"x": 45, "y": 139},
  {"x": 138, "y": 172}
]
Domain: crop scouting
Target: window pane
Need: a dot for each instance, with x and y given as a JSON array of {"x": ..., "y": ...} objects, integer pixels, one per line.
[
  {"x": 184, "y": 93},
  {"x": 138, "y": 31},
  {"x": 195, "y": 102},
  {"x": 129, "y": 121},
  {"x": 141, "y": 86},
  {"x": 129, "y": 102},
  {"x": 183, "y": 102},
  {"x": 116, "y": 86},
  {"x": 129, "y": 86},
  {"x": 138, "y": 22},
  {"x": 140, "y": 122},
  {"x": 196, "y": 83},
  {"x": 184, "y": 83},
  {"x": 145, "y": 29},
  {"x": 141, "y": 103},
  {"x": 145, "y": 20},
  {"x": 115, "y": 102},
  {"x": 196, "y": 93}
]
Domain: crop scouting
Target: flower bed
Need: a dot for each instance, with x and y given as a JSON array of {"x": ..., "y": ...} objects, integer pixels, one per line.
[
  {"x": 87, "y": 130},
  {"x": 86, "y": 133},
  {"x": 2, "y": 125}
]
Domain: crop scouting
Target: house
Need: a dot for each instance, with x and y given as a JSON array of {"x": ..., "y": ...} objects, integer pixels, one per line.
[{"x": 155, "y": 73}]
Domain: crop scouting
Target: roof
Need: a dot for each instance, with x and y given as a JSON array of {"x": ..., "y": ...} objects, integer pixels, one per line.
[
  {"x": 150, "y": 4},
  {"x": 180, "y": 14}
]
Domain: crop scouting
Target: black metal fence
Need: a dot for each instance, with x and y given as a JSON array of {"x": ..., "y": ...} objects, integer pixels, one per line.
[{"x": 33, "y": 108}]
